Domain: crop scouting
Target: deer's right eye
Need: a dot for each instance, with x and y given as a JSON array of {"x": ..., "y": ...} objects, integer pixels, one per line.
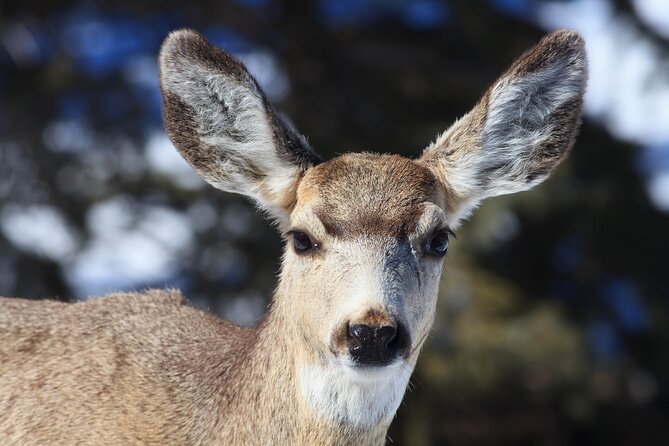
[
  {"x": 302, "y": 242},
  {"x": 438, "y": 244}
]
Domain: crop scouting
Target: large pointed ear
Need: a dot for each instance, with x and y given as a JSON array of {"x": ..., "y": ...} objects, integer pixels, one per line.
[
  {"x": 222, "y": 124},
  {"x": 522, "y": 128}
]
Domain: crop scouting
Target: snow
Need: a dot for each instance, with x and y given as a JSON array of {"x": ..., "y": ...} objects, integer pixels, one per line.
[
  {"x": 39, "y": 229},
  {"x": 628, "y": 88},
  {"x": 133, "y": 245}
]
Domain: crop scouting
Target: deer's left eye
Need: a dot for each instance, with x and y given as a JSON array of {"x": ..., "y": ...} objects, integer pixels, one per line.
[
  {"x": 438, "y": 244},
  {"x": 302, "y": 242}
]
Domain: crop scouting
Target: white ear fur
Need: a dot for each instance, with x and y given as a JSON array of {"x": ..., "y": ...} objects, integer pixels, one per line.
[
  {"x": 520, "y": 131},
  {"x": 219, "y": 119}
]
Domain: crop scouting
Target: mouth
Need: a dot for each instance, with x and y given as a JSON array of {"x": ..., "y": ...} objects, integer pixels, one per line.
[{"x": 369, "y": 370}]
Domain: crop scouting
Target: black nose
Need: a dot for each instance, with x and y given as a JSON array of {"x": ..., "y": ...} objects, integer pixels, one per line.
[
  {"x": 373, "y": 345},
  {"x": 368, "y": 334}
]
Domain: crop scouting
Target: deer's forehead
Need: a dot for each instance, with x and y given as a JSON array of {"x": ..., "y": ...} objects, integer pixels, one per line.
[{"x": 368, "y": 194}]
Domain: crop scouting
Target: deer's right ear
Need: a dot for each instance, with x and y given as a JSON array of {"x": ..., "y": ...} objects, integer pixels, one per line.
[{"x": 222, "y": 124}]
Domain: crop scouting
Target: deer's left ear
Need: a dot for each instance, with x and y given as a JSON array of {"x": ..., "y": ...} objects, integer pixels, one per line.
[{"x": 522, "y": 128}]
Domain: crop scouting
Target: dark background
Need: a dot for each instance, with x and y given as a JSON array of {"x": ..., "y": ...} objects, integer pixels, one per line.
[{"x": 552, "y": 323}]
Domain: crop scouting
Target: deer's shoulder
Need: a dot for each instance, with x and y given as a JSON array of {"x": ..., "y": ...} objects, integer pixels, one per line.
[
  {"x": 16, "y": 312},
  {"x": 160, "y": 321}
]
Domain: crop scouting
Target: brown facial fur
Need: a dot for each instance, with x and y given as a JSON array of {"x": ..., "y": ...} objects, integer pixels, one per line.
[{"x": 369, "y": 194}]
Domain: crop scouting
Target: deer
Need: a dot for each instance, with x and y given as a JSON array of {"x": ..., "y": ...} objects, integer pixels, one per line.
[{"x": 365, "y": 236}]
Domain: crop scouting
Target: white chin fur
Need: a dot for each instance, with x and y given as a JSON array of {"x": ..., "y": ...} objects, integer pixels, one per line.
[{"x": 360, "y": 396}]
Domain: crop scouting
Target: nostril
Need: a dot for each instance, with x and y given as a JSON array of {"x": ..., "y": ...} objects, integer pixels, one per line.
[{"x": 386, "y": 334}]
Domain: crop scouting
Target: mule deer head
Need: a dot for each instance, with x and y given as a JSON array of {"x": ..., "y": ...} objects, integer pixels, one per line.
[{"x": 366, "y": 234}]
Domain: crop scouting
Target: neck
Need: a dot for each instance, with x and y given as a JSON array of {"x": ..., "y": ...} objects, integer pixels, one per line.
[{"x": 293, "y": 398}]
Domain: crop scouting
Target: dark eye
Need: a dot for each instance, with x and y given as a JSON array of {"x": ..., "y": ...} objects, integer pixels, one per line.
[
  {"x": 302, "y": 242},
  {"x": 438, "y": 244}
]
